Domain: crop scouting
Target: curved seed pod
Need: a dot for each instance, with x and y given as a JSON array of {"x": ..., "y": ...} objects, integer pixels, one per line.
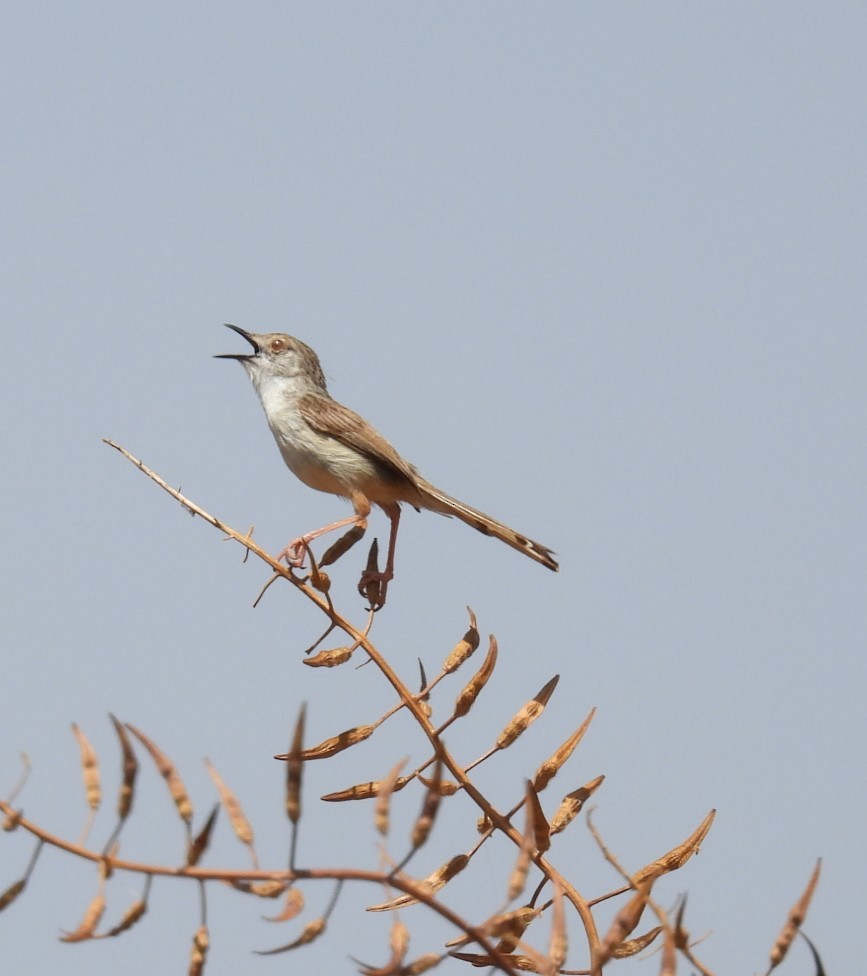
[
  {"x": 295, "y": 768},
  {"x": 261, "y": 889},
  {"x": 624, "y": 922},
  {"x": 398, "y": 942},
  {"x": 441, "y": 877},
  {"x": 12, "y": 892},
  {"x": 422, "y": 827},
  {"x": 518, "y": 877},
  {"x": 330, "y": 658},
  {"x": 89, "y": 769},
  {"x": 135, "y": 911},
  {"x": 446, "y": 787},
  {"x": 677, "y": 856},
  {"x": 342, "y": 546},
  {"x": 527, "y": 715},
  {"x": 129, "y": 770},
  {"x": 558, "y": 944},
  {"x": 311, "y": 932},
  {"x": 422, "y": 964},
  {"x": 337, "y": 743},
  {"x": 234, "y": 811},
  {"x": 201, "y": 943},
  {"x": 571, "y": 804},
  {"x": 169, "y": 773},
  {"x": 633, "y": 946},
  {"x": 523, "y": 964},
  {"x": 199, "y": 844},
  {"x": 318, "y": 580},
  {"x": 382, "y": 811},
  {"x": 668, "y": 956},
  {"x": 292, "y": 907},
  {"x": 541, "y": 831},
  {"x": 464, "y": 647},
  {"x": 365, "y": 791},
  {"x": 510, "y": 927},
  {"x": 471, "y": 691},
  {"x": 552, "y": 765},
  {"x": 795, "y": 920},
  {"x": 90, "y": 921}
]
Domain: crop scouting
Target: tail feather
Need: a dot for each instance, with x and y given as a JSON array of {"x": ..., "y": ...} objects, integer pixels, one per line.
[{"x": 438, "y": 501}]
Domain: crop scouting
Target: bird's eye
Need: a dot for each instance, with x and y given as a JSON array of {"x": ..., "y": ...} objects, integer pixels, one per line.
[{"x": 277, "y": 345}]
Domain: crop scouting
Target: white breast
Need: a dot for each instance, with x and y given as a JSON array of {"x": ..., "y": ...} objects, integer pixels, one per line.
[{"x": 319, "y": 461}]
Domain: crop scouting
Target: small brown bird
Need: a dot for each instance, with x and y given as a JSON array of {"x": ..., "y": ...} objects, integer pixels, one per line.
[{"x": 331, "y": 448}]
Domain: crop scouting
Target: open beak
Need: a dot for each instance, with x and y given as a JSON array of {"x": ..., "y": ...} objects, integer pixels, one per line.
[{"x": 241, "y": 357}]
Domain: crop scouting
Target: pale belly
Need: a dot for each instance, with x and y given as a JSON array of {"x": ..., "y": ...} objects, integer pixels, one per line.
[{"x": 327, "y": 465}]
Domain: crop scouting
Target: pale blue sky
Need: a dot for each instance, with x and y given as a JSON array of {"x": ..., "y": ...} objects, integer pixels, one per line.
[{"x": 597, "y": 269}]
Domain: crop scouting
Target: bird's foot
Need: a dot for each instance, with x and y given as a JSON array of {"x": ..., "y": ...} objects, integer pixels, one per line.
[
  {"x": 373, "y": 584},
  {"x": 295, "y": 552}
]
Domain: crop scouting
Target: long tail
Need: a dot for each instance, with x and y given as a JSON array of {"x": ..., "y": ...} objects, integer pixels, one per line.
[{"x": 438, "y": 501}]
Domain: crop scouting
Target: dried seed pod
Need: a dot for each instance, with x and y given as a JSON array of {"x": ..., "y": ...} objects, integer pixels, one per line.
[
  {"x": 169, "y": 773},
  {"x": 466, "y": 699},
  {"x": 342, "y": 546},
  {"x": 337, "y": 743},
  {"x": 381, "y": 813},
  {"x": 292, "y": 907},
  {"x": 479, "y": 959},
  {"x": 421, "y": 964},
  {"x": 201, "y": 943},
  {"x": 91, "y": 919},
  {"x": 633, "y": 946},
  {"x": 364, "y": 791},
  {"x": 518, "y": 877},
  {"x": 795, "y": 920},
  {"x": 668, "y": 961},
  {"x": 89, "y": 769},
  {"x": 234, "y": 811},
  {"x": 541, "y": 831},
  {"x": 129, "y": 770},
  {"x": 200, "y": 842},
  {"x": 551, "y": 766},
  {"x": 464, "y": 647},
  {"x": 559, "y": 943},
  {"x": 511, "y": 926},
  {"x": 12, "y": 892},
  {"x": 262, "y": 889},
  {"x": 295, "y": 768},
  {"x": 677, "y": 856},
  {"x": 311, "y": 932},
  {"x": 446, "y": 787},
  {"x": 527, "y": 715},
  {"x": 330, "y": 658},
  {"x": 135, "y": 911},
  {"x": 624, "y": 922},
  {"x": 571, "y": 804},
  {"x": 318, "y": 580},
  {"x": 441, "y": 877},
  {"x": 422, "y": 827}
]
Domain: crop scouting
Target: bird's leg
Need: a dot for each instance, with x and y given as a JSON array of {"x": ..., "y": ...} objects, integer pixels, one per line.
[
  {"x": 296, "y": 550},
  {"x": 392, "y": 510}
]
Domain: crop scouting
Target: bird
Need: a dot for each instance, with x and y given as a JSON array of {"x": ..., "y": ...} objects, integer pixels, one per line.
[{"x": 333, "y": 449}]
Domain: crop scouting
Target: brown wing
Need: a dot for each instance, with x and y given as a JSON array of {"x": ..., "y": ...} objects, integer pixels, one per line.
[{"x": 333, "y": 419}]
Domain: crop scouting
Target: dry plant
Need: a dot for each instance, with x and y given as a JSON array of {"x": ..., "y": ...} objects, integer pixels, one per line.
[{"x": 529, "y": 929}]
